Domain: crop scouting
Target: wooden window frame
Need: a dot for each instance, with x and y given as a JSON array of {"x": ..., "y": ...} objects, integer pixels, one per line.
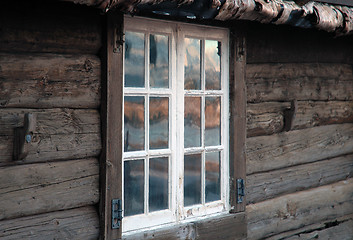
[{"x": 111, "y": 157}]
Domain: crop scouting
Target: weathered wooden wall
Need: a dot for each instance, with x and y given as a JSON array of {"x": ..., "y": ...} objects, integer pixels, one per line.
[
  {"x": 300, "y": 182},
  {"x": 49, "y": 66}
]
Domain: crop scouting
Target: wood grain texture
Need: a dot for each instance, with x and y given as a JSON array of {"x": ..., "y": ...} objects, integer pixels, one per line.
[
  {"x": 43, "y": 26},
  {"x": 312, "y": 114},
  {"x": 292, "y": 211},
  {"x": 112, "y": 116},
  {"x": 225, "y": 226},
  {"x": 49, "y": 80},
  {"x": 342, "y": 231},
  {"x": 52, "y": 121},
  {"x": 38, "y": 188},
  {"x": 317, "y": 227},
  {"x": 267, "y": 118},
  {"x": 54, "y": 147},
  {"x": 237, "y": 122},
  {"x": 269, "y": 185},
  {"x": 299, "y": 81},
  {"x": 79, "y": 223},
  {"x": 267, "y": 153}
]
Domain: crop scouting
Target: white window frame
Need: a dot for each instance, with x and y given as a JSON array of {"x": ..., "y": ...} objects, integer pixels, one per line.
[{"x": 177, "y": 212}]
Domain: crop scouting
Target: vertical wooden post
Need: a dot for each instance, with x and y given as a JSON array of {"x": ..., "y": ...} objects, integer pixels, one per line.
[
  {"x": 237, "y": 128},
  {"x": 112, "y": 96}
]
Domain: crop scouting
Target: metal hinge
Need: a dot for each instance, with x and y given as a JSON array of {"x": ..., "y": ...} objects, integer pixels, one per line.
[
  {"x": 119, "y": 39},
  {"x": 117, "y": 213},
  {"x": 240, "y": 190}
]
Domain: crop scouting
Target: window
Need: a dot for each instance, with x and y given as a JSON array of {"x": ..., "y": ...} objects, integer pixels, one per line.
[{"x": 175, "y": 122}]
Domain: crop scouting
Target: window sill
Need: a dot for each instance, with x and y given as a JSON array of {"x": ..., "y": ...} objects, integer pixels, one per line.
[{"x": 228, "y": 226}]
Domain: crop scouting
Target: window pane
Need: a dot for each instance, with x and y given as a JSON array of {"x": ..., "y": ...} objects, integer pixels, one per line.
[
  {"x": 212, "y": 121},
  {"x": 133, "y": 187},
  {"x": 134, "y": 123},
  {"x": 192, "y": 179},
  {"x": 212, "y": 191},
  {"x": 159, "y": 61},
  {"x": 158, "y": 180},
  {"x": 134, "y": 59},
  {"x": 192, "y": 64},
  {"x": 192, "y": 122},
  {"x": 213, "y": 64},
  {"x": 159, "y": 122}
]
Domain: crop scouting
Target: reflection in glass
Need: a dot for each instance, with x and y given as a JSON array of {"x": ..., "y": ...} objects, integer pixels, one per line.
[
  {"x": 158, "y": 184},
  {"x": 212, "y": 121},
  {"x": 192, "y": 179},
  {"x": 134, "y": 59},
  {"x": 134, "y": 123},
  {"x": 159, "y": 61},
  {"x": 133, "y": 187},
  {"x": 212, "y": 184},
  {"x": 192, "y": 64},
  {"x": 213, "y": 64},
  {"x": 192, "y": 122},
  {"x": 159, "y": 122}
]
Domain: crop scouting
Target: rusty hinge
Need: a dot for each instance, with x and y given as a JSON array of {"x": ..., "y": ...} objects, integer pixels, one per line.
[
  {"x": 240, "y": 190},
  {"x": 117, "y": 213}
]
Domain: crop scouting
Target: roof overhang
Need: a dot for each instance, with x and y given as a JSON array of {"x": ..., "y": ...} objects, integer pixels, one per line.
[{"x": 300, "y": 13}]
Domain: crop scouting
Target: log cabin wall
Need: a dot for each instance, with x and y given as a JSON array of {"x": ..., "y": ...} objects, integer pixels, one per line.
[
  {"x": 299, "y": 182},
  {"x": 49, "y": 66}
]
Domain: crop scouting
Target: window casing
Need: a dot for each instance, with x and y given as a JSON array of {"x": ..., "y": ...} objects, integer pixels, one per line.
[{"x": 163, "y": 109}]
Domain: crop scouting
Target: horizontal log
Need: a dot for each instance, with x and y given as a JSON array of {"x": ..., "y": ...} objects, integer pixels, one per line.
[
  {"x": 310, "y": 114},
  {"x": 49, "y": 80},
  {"x": 342, "y": 231},
  {"x": 44, "y": 187},
  {"x": 291, "y": 148},
  {"x": 51, "y": 121},
  {"x": 268, "y": 185},
  {"x": 264, "y": 124},
  {"x": 59, "y": 134},
  {"x": 225, "y": 226},
  {"x": 53, "y": 147},
  {"x": 325, "y": 225},
  {"x": 267, "y": 118},
  {"x": 292, "y": 211},
  {"x": 49, "y": 27},
  {"x": 79, "y": 223},
  {"x": 300, "y": 81}
]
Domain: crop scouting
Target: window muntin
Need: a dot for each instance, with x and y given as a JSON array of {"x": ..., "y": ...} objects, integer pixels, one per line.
[{"x": 185, "y": 100}]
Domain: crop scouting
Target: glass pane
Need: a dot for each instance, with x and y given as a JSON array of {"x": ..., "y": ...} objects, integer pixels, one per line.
[
  {"x": 192, "y": 179},
  {"x": 134, "y": 59},
  {"x": 159, "y": 61},
  {"x": 192, "y": 122},
  {"x": 133, "y": 187},
  {"x": 213, "y": 64},
  {"x": 213, "y": 181},
  {"x": 212, "y": 121},
  {"x": 192, "y": 64},
  {"x": 158, "y": 189},
  {"x": 134, "y": 123},
  {"x": 159, "y": 122}
]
